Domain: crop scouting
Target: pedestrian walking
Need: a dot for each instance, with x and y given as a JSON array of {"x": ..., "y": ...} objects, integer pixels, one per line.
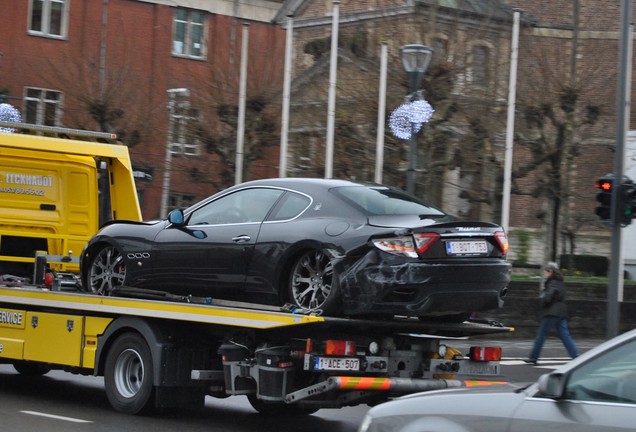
[{"x": 554, "y": 313}]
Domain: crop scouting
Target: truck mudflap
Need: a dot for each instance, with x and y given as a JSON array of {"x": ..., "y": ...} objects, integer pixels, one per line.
[{"x": 393, "y": 386}]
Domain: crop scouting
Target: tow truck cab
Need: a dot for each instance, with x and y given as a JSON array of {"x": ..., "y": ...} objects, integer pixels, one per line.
[{"x": 57, "y": 186}]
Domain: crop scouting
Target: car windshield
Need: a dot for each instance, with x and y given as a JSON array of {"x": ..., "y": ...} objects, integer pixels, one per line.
[{"x": 384, "y": 201}]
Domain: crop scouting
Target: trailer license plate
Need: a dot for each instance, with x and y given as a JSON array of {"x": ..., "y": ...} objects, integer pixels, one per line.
[
  {"x": 467, "y": 247},
  {"x": 336, "y": 363}
]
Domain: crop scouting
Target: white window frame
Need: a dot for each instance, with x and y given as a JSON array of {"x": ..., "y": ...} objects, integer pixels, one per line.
[
  {"x": 47, "y": 17},
  {"x": 185, "y": 49},
  {"x": 42, "y": 102}
]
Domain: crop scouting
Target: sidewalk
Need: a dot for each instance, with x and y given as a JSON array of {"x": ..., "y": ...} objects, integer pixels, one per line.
[{"x": 520, "y": 348}]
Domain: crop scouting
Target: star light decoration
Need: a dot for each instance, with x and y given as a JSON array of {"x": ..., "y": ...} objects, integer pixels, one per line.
[
  {"x": 409, "y": 117},
  {"x": 9, "y": 114}
]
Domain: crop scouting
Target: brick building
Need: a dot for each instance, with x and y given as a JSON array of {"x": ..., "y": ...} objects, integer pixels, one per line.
[{"x": 108, "y": 65}]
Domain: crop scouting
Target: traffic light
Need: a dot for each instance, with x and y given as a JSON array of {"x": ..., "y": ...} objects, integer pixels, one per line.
[
  {"x": 626, "y": 205},
  {"x": 627, "y": 202},
  {"x": 604, "y": 197}
]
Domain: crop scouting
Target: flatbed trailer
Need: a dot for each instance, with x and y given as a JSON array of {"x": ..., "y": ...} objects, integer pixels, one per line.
[{"x": 155, "y": 353}]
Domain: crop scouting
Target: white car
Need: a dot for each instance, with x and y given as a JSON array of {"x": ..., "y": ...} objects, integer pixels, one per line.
[{"x": 595, "y": 392}]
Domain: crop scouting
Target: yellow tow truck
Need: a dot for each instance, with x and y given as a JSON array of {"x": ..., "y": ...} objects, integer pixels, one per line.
[{"x": 155, "y": 350}]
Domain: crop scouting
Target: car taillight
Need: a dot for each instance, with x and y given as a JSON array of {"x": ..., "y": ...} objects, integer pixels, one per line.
[
  {"x": 340, "y": 347},
  {"x": 402, "y": 246},
  {"x": 484, "y": 353},
  {"x": 408, "y": 246},
  {"x": 502, "y": 240}
]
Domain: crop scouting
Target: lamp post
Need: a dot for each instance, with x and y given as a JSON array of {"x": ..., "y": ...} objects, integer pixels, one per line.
[
  {"x": 173, "y": 94},
  {"x": 415, "y": 60}
]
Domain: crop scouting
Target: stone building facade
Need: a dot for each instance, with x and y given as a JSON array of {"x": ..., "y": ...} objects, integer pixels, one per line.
[{"x": 565, "y": 112}]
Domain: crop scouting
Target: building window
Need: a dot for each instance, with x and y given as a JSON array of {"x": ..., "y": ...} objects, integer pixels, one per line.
[
  {"x": 48, "y": 18},
  {"x": 440, "y": 51},
  {"x": 180, "y": 200},
  {"x": 480, "y": 66},
  {"x": 43, "y": 107},
  {"x": 189, "y": 33},
  {"x": 184, "y": 140}
]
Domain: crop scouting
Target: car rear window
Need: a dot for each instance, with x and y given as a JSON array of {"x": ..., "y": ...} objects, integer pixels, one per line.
[{"x": 383, "y": 200}]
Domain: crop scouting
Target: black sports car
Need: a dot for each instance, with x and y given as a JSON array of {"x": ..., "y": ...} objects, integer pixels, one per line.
[{"x": 335, "y": 246}]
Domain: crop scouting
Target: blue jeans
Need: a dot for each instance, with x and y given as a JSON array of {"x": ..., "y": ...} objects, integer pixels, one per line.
[{"x": 561, "y": 325}]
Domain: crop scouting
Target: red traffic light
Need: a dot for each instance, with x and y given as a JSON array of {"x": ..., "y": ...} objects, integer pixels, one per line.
[{"x": 603, "y": 184}]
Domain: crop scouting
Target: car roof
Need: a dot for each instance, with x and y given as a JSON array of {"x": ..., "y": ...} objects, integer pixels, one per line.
[{"x": 292, "y": 182}]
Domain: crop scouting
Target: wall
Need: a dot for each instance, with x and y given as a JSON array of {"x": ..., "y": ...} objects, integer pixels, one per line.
[
  {"x": 587, "y": 305},
  {"x": 527, "y": 245}
]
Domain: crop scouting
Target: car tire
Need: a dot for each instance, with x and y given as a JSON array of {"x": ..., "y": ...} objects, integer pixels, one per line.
[
  {"x": 128, "y": 375},
  {"x": 313, "y": 284},
  {"x": 279, "y": 408},
  {"x": 106, "y": 271}
]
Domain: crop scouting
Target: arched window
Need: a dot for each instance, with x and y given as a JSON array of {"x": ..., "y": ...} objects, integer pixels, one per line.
[
  {"x": 440, "y": 50},
  {"x": 479, "y": 65}
]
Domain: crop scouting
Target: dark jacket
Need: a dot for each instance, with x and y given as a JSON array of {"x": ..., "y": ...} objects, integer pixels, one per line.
[{"x": 553, "y": 298}]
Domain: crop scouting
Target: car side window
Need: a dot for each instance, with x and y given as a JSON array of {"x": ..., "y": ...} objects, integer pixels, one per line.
[
  {"x": 290, "y": 206},
  {"x": 607, "y": 378},
  {"x": 244, "y": 206}
]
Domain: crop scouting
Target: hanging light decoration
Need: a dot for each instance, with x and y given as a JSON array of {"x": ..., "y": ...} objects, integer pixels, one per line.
[
  {"x": 409, "y": 117},
  {"x": 8, "y": 113},
  {"x": 400, "y": 122},
  {"x": 420, "y": 111}
]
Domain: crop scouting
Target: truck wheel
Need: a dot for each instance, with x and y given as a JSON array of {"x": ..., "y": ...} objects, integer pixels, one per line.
[
  {"x": 278, "y": 408},
  {"x": 31, "y": 368},
  {"x": 128, "y": 375},
  {"x": 106, "y": 271},
  {"x": 313, "y": 283}
]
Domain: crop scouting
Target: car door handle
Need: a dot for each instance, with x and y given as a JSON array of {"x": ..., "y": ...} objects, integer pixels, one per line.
[{"x": 241, "y": 239}]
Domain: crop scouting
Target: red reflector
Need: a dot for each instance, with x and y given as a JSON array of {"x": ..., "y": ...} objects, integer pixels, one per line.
[
  {"x": 423, "y": 241},
  {"x": 479, "y": 353},
  {"x": 340, "y": 347}
]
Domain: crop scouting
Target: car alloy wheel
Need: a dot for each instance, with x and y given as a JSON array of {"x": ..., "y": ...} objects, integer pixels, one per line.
[
  {"x": 313, "y": 283},
  {"x": 107, "y": 271}
]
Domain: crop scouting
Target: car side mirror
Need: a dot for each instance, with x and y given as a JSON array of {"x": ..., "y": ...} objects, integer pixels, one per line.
[
  {"x": 552, "y": 385},
  {"x": 175, "y": 217}
]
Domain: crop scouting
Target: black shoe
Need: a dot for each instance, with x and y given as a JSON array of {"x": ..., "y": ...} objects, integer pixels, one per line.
[{"x": 530, "y": 361}]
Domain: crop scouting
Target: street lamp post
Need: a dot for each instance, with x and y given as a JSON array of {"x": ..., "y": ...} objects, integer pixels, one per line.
[
  {"x": 415, "y": 60},
  {"x": 173, "y": 95}
]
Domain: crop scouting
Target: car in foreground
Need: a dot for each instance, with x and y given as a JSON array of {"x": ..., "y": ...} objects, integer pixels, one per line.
[
  {"x": 594, "y": 392},
  {"x": 329, "y": 246}
]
